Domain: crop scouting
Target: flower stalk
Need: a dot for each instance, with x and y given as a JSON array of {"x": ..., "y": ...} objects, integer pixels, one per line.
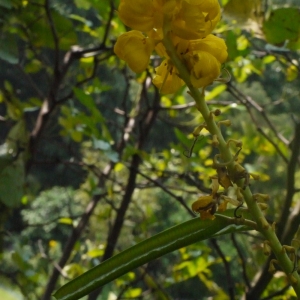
[
  {"x": 180, "y": 32},
  {"x": 263, "y": 226}
]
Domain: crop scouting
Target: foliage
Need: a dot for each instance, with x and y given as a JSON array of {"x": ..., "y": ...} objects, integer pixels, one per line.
[{"x": 93, "y": 160}]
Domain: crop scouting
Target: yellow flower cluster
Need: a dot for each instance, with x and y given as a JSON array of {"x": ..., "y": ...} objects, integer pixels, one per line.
[{"x": 189, "y": 24}]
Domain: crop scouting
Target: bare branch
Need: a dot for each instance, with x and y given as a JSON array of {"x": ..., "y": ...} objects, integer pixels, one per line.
[
  {"x": 249, "y": 102},
  {"x": 230, "y": 282},
  {"x": 177, "y": 198},
  {"x": 55, "y": 38},
  {"x": 243, "y": 261}
]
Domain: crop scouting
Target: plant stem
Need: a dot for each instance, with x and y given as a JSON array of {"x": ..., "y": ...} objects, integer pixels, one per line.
[{"x": 262, "y": 225}]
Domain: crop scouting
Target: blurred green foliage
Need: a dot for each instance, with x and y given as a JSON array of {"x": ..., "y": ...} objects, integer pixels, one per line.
[{"x": 75, "y": 120}]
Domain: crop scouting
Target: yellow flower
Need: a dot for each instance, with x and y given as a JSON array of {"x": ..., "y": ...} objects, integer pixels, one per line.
[
  {"x": 223, "y": 205},
  {"x": 212, "y": 10},
  {"x": 189, "y": 23},
  {"x": 135, "y": 49},
  {"x": 196, "y": 19},
  {"x": 206, "y": 206},
  {"x": 143, "y": 15},
  {"x": 166, "y": 78},
  {"x": 205, "y": 69},
  {"x": 212, "y": 44},
  {"x": 191, "y": 19},
  {"x": 204, "y": 60}
]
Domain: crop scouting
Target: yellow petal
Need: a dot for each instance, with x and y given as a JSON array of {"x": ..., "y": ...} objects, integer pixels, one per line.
[
  {"x": 189, "y": 23},
  {"x": 203, "y": 203},
  {"x": 222, "y": 206},
  {"x": 212, "y": 11},
  {"x": 135, "y": 49},
  {"x": 166, "y": 78},
  {"x": 138, "y": 14},
  {"x": 206, "y": 215},
  {"x": 205, "y": 70},
  {"x": 214, "y": 186},
  {"x": 180, "y": 29},
  {"x": 223, "y": 178},
  {"x": 212, "y": 44},
  {"x": 161, "y": 50}
]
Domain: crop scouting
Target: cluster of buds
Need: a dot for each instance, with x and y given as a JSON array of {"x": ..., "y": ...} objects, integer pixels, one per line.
[{"x": 189, "y": 25}]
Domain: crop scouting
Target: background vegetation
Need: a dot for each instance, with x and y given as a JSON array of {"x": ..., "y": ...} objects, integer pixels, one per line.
[{"x": 93, "y": 159}]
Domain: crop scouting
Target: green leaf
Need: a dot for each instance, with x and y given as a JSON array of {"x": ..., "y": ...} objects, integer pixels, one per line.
[
  {"x": 182, "y": 137},
  {"x": 12, "y": 179},
  {"x": 67, "y": 221},
  {"x": 84, "y": 4},
  {"x": 101, "y": 145},
  {"x": 6, "y": 158},
  {"x": 43, "y": 36},
  {"x": 165, "y": 242},
  {"x": 9, "y": 49},
  {"x": 88, "y": 101},
  {"x": 283, "y": 24},
  {"x": 215, "y": 92},
  {"x": 73, "y": 270},
  {"x": 6, "y": 4},
  {"x": 95, "y": 253}
]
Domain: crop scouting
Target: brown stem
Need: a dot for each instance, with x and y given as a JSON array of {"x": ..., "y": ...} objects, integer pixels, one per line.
[
  {"x": 76, "y": 232},
  {"x": 230, "y": 282},
  {"x": 145, "y": 126}
]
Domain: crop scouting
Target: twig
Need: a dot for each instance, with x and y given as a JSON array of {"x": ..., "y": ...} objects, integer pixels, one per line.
[
  {"x": 243, "y": 262},
  {"x": 230, "y": 283},
  {"x": 177, "y": 198},
  {"x": 44, "y": 255},
  {"x": 235, "y": 92},
  {"x": 55, "y": 38},
  {"x": 290, "y": 182},
  {"x": 257, "y": 107},
  {"x": 278, "y": 293},
  {"x": 76, "y": 232},
  {"x": 274, "y": 144}
]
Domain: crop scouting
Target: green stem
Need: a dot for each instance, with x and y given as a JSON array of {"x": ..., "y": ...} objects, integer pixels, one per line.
[{"x": 262, "y": 225}]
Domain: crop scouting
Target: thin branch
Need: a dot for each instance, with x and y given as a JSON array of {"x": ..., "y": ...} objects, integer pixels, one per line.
[
  {"x": 44, "y": 255},
  {"x": 290, "y": 182},
  {"x": 54, "y": 36},
  {"x": 278, "y": 293},
  {"x": 242, "y": 259},
  {"x": 68, "y": 61},
  {"x": 166, "y": 190},
  {"x": 230, "y": 282},
  {"x": 76, "y": 232},
  {"x": 274, "y": 144},
  {"x": 246, "y": 101},
  {"x": 257, "y": 107},
  {"x": 108, "y": 22}
]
